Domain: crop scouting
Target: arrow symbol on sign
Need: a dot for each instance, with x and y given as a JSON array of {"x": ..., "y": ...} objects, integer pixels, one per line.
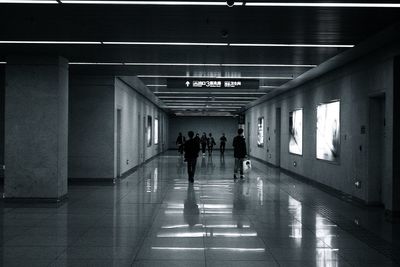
[{"x": 187, "y": 83}]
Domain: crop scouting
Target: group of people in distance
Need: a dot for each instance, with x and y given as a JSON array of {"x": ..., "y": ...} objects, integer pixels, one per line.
[
  {"x": 204, "y": 142},
  {"x": 191, "y": 148}
]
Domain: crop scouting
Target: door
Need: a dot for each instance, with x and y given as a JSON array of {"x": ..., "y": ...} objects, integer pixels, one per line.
[
  {"x": 118, "y": 143},
  {"x": 278, "y": 137},
  {"x": 376, "y": 148},
  {"x": 248, "y": 138}
]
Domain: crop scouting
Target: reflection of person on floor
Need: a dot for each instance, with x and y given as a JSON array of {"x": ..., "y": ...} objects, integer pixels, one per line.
[
  {"x": 203, "y": 142},
  {"x": 191, "y": 154},
  {"x": 190, "y": 207},
  {"x": 180, "y": 141},
  {"x": 222, "y": 161},
  {"x": 222, "y": 143},
  {"x": 210, "y": 144},
  {"x": 210, "y": 164},
  {"x": 203, "y": 163},
  {"x": 239, "y": 203},
  {"x": 239, "y": 152}
]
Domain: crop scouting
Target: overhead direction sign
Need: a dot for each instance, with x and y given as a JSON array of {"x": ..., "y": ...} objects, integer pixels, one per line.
[{"x": 225, "y": 83}]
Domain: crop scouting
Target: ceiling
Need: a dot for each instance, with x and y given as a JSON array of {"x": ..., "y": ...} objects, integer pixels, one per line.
[{"x": 203, "y": 40}]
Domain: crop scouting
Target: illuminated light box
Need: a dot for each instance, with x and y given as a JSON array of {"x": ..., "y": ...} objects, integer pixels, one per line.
[
  {"x": 328, "y": 131},
  {"x": 296, "y": 132}
]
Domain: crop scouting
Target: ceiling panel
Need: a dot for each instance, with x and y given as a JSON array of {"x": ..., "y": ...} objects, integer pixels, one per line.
[{"x": 205, "y": 24}]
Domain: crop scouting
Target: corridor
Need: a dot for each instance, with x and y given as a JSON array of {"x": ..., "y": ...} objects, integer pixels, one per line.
[{"x": 154, "y": 218}]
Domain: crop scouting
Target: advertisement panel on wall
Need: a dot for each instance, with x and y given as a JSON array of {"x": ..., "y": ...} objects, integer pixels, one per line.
[
  {"x": 149, "y": 130},
  {"x": 260, "y": 132},
  {"x": 296, "y": 132},
  {"x": 155, "y": 131},
  {"x": 328, "y": 131}
]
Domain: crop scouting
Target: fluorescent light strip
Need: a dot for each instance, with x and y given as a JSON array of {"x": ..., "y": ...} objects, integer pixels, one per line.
[
  {"x": 163, "y": 3},
  {"x": 213, "y": 77},
  {"x": 166, "y": 43},
  {"x": 207, "y": 97},
  {"x": 203, "y": 106},
  {"x": 279, "y": 4},
  {"x": 210, "y": 93},
  {"x": 268, "y": 86},
  {"x": 28, "y": 2},
  {"x": 156, "y": 85},
  {"x": 97, "y": 63},
  {"x": 50, "y": 42},
  {"x": 200, "y": 107},
  {"x": 177, "y": 44},
  {"x": 3, "y": 62},
  {"x": 290, "y": 45},
  {"x": 218, "y": 64}
]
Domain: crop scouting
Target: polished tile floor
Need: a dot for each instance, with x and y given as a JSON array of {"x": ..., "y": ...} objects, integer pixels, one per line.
[{"x": 155, "y": 218}]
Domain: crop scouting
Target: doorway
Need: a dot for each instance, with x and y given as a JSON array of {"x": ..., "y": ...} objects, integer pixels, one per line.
[
  {"x": 248, "y": 138},
  {"x": 376, "y": 145},
  {"x": 278, "y": 137},
  {"x": 118, "y": 143}
]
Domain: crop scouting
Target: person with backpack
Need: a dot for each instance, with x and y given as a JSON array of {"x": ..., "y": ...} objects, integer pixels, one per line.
[
  {"x": 191, "y": 153},
  {"x": 210, "y": 144},
  {"x": 203, "y": 142},
  {"x": 239, "y": 152},
  {"x": 180, "y": 142},
  {"x": 222, "y": 143}
]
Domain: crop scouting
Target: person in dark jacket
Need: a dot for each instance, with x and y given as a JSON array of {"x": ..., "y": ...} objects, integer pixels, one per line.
[
  {"x": 222, "y": 143},
  {"x": 180, "y": 142},
  {"x": 210, "y": 144},
  {"x": 191, "y": 153},
  {"x": 203, "y": 142},
  {"x": 239, "y": 152}
]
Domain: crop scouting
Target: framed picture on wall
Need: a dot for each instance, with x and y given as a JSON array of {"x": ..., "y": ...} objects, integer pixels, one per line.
[
  {"x": 156, "y": 131},
  {"x": 260, "y": 132},
  {"x": 328, "y": 131},
  {"x": 149, "y": 130},
  {"x": 296, "y": 132}
]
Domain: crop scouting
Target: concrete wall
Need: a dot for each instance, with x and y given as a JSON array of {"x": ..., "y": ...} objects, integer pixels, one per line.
[
  {"x": 91, "y": 131},
  {"x": 2, "y": 104},
  {"x": 353, "y": 84},
  {"x": 214, "y": 125},
  {"x": 36, "y": 127},
  {"x": 135, "y": 109},
  {"x": 94, "y": 105}
]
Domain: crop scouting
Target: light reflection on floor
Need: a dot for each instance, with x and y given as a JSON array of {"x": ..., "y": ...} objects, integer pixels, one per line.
[{"x": 156, "y": 218}]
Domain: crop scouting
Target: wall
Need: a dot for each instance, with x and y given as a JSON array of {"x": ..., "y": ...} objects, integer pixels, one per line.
[
  {"x": 91, "y": 131},
  {"x": 353, "y": 84},
  {"x": 2, "y": 104},
  {"x": 36, "y": 127},
  {"x": 134, "y": 109},
  {"x": 214, "y": 125}
]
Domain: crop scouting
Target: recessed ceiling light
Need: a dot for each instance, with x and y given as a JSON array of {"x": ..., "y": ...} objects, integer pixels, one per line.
[
  {"x": 28, "y": 2},
  {"x": 194, "y": 64},
  {"x": 210, "y": 93},
  {"x": 307, "y": 4},
  {"x": 215, "y": 77},
  {"x": 292, "y": 45},
  {"x": 50, "y": 42},
  {"x": 166, "y": 43},
  {"x": 164, "y": 3},
  {"x": 97, "y": 63}
]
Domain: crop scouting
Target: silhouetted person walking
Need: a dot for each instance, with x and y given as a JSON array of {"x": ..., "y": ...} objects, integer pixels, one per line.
[
  {"x": 222, "y": 143},
  {"x": 180, "y": 141},
  {"x": 239, "y": 152},
  {"x": 203, "y": 142},
  {"x": 210, "y": 144},
  {"x": 191, "y": 153}
]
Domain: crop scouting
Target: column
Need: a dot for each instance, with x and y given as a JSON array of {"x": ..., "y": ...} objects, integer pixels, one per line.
[{"x": 36, "y": 128}]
